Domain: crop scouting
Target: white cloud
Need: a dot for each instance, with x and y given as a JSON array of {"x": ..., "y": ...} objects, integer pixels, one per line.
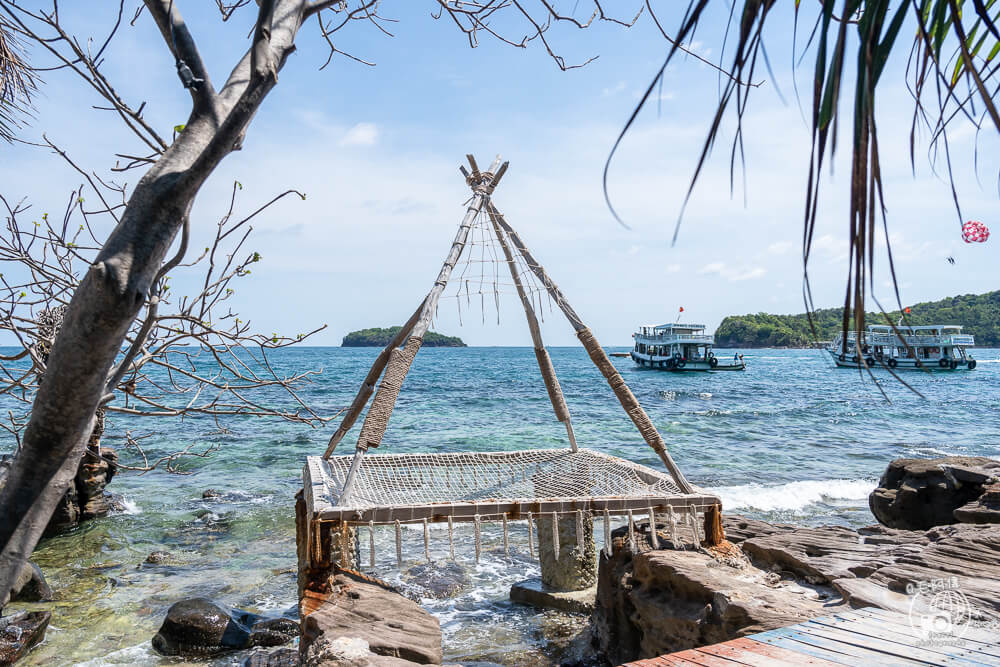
[
  {"x": 673, "y": 268},
  {"x": 780, "y": 248},
  {"x": 362, "y": 134},
  {"x": 613, "y": 90},
  {"x": 733, "y": 274}
]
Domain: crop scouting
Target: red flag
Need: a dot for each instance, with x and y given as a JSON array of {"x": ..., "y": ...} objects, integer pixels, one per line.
[
  {"x": 907, "y": 310},
  {"x": 682, "y": 309}
]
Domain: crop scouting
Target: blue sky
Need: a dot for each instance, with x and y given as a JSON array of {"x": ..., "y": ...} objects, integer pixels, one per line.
[{"x": 376, "y": 149}]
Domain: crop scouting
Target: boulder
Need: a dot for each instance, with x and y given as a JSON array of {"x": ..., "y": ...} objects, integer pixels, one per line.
[
  {"x": 198, "y": 626},
  {"x": 437, "y": 580},
  {"x": 357, "y": 609},
  {"x": 984, "y": 509},
  {"x": 283, "y": 657},
  {"x": 651, "y": 602},
  {"x": 918, "y": 494},
  {"x": 30, "y": 585},
  {"x": 20, "y": 632}
]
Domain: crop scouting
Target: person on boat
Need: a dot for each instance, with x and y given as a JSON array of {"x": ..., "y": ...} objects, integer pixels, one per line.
[{"x": 736, "y": 357}]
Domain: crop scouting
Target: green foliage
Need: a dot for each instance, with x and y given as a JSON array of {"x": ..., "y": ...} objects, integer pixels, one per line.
[
  {"x": 978, "y": 313},
  {"x": 377, "y": 337}
]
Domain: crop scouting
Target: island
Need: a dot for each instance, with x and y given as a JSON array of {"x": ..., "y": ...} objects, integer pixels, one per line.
[
  {"x": 379, "y": 337},
  {"x": 979, "y": 314}
]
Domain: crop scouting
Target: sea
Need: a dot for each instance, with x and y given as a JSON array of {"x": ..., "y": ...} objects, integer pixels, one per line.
[{"x": 791, "y": 439}]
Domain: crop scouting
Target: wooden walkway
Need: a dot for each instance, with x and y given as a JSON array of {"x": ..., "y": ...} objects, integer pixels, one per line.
[{"x": 858, "y": 637}]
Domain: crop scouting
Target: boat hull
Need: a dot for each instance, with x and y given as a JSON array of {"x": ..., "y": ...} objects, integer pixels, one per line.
[
  {"x": 902, "y": 364},
  {"x": 669, "y": 364}
]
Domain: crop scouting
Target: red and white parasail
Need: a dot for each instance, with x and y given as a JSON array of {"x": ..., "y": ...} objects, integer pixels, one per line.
[{"x": 975, "y": 232}]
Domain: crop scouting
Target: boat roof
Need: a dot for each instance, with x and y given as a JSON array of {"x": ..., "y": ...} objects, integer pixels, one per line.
[
  {"x": 673, "y": 326},
  {"x": 926, "y": 327}
]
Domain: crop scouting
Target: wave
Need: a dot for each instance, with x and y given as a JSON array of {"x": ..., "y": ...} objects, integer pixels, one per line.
[{"x": 793, "y": 495}]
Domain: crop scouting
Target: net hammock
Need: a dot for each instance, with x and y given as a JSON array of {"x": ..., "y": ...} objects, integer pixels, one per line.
[{"x": 570, "y": 484}]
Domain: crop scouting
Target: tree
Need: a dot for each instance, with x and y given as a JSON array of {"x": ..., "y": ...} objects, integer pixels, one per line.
[{"x": 208, "y": 361}]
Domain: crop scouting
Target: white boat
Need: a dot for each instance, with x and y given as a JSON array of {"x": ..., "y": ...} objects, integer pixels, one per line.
[
  {"x": 679, "y": 347},
  {"x": 933, "y": 347}
]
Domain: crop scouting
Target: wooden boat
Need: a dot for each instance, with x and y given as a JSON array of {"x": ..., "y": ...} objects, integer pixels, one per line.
[
  {"x": 679, "y": 347},
  {"x": 939, "y": 347}
]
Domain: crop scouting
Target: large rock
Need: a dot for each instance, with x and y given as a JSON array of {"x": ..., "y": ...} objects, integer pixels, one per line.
[
  {"x": 357, "y": 610},
  {"x": 984, "y": 509},
  {"x": 651, "y": 602},
  {"x": 20, "y": 632},
  {"x": 918, "y": 494},
  {"x": 198, "y": 626},
  {"x": 655, "y": 602},
  {"x": 30, "y": 585}
]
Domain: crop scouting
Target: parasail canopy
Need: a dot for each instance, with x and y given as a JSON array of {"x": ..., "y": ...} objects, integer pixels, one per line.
[{"x": 975, "y": 232}]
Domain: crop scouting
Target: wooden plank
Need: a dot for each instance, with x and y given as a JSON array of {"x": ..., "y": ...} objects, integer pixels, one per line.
[
  {"x": 807, "y": 651},
  {"x": 954, "y": 653},
  {"x": 989, "y": 651},
  {"x": 696, "y": 656},
  {"x": 885, "y": 646},
  {"x": 981, "y": 635},
  {"x": 744, "y": 657},
  {"x": 856, "y": 655},
  {"x": 754, "y": 646}
]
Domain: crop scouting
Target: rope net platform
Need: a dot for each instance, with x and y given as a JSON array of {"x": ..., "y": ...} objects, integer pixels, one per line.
[{"x": 394, "y": 489}]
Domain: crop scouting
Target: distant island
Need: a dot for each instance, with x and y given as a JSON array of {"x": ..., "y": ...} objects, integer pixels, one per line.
[
  {"x": 979, "y": 314},
  {"x": 377, "y": 337}
]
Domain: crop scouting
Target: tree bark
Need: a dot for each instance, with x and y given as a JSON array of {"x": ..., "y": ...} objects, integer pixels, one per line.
[{"x": 116, "y": 286}]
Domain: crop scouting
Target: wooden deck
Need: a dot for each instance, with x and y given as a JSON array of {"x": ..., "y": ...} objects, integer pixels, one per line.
[{"x": 858, "y": 637}]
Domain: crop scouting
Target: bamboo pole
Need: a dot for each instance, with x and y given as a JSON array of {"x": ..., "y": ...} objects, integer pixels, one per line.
[
  {"x": 625, "y": 396},
  {"x": 544, "y": 361},
  {"x": 368, "y": 386},
  {"x": 377, "y": 418}
]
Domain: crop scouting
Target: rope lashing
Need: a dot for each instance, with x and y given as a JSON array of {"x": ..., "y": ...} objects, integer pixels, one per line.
[
  {"x": 427, "y": 541},
  {"x": 451, "y": 537},
  {"x": 506, "y": 543},
  {"x": 479, "y": 545},
  {"x": 607, "y": 533},
  {"x": 531, "y": 536},
  {"x": 631, "y": 531},
  {"x": 371, "y": 544},
  {"x": 654, "y": 538},
  {"x": 673, "y": 524},
  {"x": 399, "y": 544},
  {"x": 555, "y": 535},
  {"x": 580, "y": 546}
]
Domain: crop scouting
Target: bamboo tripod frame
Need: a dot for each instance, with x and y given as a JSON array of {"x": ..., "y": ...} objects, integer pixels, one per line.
[{"x": 394, "y": 361}]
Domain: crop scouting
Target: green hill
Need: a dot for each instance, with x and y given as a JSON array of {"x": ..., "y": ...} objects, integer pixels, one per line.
[
  {"x": 978, "y": 313},
  {"x": 377, "y": 337}
]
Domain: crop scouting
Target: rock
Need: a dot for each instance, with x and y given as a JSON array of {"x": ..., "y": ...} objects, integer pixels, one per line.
[
  {"x": 273, "y": 632},
  {"x": 437, "y": 580},
  {"x": 537, "y": 594},
  {"x": 210, "y": 493},
  {"x": 30, "y": 585},
  {"x": 655, "y": 602},
  {"x": 918, "y": 494},
  {"x": 348, "y": 652},
  {"x": 20, "y": 632},
  {"x": 358, "y": 609},
  {"x": 198, "y": 626},
  {"x": 283, "y": 657},
  {"x": 158, "y": 558},
  {"x": 984, "y": 509},
  {"x": 739, "y": 528}
]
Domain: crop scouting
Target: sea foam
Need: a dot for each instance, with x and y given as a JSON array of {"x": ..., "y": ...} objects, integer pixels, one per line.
[{"x": 793, "y": 495}]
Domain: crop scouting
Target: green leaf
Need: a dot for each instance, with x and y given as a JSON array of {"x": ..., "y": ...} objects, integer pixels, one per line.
[{"x": 179, "y": 128}]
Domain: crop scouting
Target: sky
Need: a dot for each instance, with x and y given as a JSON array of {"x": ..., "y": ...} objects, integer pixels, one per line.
[{"x": 377, "y": 151}]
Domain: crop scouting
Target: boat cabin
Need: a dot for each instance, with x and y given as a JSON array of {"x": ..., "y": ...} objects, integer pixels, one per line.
[{"x": 937, "y": 345}]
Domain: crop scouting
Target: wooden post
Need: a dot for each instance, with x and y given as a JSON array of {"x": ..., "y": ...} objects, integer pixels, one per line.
[
  {"x": 368, "y": 386},
  {"x": 714, "y": 533},
  {"x": 625, "y": 396},
  {"x": 541, "y": 354}
]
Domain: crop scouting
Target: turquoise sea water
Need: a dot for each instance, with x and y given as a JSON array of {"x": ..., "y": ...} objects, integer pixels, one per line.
[{"x": 790, "y": 439}]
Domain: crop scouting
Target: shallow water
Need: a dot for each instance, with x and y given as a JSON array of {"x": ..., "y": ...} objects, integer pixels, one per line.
[{"x": 792, "y": 439}]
